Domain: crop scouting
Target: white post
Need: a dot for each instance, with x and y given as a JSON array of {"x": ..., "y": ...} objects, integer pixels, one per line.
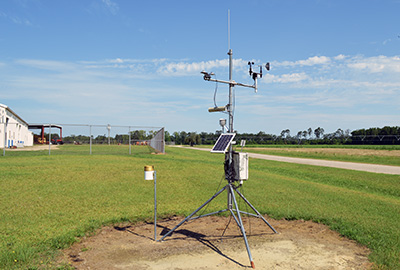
[{"x": 155, "y": 206}]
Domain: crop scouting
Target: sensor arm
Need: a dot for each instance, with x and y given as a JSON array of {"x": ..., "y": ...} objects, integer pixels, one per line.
[{"x": 233, "y": 83}]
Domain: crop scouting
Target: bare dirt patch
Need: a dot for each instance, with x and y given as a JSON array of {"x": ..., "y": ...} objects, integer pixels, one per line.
[
  {"x": 338, "y": 151},
  {"x": 209, "y": 243},
  {"x": 34, "y": 148}
]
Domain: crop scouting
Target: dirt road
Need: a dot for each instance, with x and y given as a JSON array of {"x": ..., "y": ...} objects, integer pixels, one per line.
[{"x": 385, "y": 169}]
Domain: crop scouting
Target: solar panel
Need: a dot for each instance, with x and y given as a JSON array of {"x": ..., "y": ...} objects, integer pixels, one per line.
[{"x": 223, "y": 143}]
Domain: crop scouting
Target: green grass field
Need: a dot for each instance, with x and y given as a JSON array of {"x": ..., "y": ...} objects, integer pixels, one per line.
[
  {"x": 341, "y": 146},
  {"x": 369, "y": 153},
  {"x": 367, "y": 157},
  {"x": 47, "y": 202}
]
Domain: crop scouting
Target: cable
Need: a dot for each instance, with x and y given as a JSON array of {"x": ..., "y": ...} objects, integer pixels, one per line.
[
  {"x": 219, "y": 185},
  {"x": 215, "y": 92},
  {"x": 226, "y": 227}
]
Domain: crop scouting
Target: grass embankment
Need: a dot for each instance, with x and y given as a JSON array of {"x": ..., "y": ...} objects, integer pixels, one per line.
[{"x": 48, "y": 201}]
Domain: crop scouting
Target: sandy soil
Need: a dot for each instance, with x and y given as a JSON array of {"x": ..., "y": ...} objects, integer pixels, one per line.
[
  {"x": 34, "y": 148},
  {"x": 205, "y": 244}
]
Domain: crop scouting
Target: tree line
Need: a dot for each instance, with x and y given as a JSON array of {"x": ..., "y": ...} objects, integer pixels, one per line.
[{"x": 385, "y": 135}]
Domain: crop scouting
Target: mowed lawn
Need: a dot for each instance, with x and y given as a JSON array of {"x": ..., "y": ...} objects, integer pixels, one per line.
[
  {"x": 373, "y": 154},
  {"x": 47, "y": 202}
]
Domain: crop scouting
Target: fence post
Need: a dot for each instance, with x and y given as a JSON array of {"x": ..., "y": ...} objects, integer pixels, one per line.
[
  {"x": 49, "y": 139},
  {"x": 90, "y": 139},
  {"x": 129, "y": 132}
]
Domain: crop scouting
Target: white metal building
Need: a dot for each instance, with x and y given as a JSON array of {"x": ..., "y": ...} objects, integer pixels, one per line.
[{"x": 13, "y": 129}]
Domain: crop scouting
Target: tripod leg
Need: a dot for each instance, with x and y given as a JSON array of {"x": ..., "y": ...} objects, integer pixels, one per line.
[
  {"x": 241, "y": 226},
  {"x": 192, "y": 214},
  {"x": 255, "y": 210}
]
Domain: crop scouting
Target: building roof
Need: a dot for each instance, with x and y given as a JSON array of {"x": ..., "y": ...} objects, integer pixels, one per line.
[
  {"x": 39, "y": 126},
  {"x": 11, "y": 111}
]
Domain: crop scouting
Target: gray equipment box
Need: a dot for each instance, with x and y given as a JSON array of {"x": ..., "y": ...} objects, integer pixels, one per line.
[{"x": 241, "y": 165}]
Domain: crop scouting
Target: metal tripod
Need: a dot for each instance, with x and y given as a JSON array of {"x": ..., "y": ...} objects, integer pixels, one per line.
[{"x": 233, "y": 208}]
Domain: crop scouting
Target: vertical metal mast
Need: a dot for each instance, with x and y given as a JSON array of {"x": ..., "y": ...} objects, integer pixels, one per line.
[
  {"x": 230, "y": 105},
  {"x": 230, "y": 111}
]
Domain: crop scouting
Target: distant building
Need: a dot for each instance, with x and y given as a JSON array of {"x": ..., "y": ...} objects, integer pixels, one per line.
[{"x": 17, "y": 133}]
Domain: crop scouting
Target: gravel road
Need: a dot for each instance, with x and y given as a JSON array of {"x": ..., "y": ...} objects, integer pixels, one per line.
[{"x": 385, "y": 169}]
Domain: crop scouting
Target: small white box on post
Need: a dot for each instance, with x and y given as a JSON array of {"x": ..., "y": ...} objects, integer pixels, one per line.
[
  {"x": 148, "y": 172},
  {"x": 151, "y": 174}
]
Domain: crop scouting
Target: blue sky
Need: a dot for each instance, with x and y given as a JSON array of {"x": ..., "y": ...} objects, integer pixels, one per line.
[{"x": 334, "y": 63}]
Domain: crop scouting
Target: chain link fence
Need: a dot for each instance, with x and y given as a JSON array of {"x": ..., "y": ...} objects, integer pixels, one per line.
[{"x": 92, "y": 139}]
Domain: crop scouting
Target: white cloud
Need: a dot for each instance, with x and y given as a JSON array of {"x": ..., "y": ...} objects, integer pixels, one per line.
[
  {"x": 286, "y": 78},
  {"x": 366, "y": 74},
  {"x": 332, "y": 85},
  {"x": 23, "y": 21},
  {"x": 386, "y": 41},
  {"x": 340, "y": 57},
  {"x": 16, "y": 19},
  {"x": 46, "y": 64},
  {"x": 111, "y": 6},
  {"x": 311, "y": 61},
  {"x": 371, "y": 67},
  {"x": 118, "y": 60},
  {"x": 375, "y": 64},
  {"x": 188, "y": 69}
]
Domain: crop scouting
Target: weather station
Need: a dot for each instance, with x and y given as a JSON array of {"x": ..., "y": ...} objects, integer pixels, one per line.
[{"x": 236, "y": 163}]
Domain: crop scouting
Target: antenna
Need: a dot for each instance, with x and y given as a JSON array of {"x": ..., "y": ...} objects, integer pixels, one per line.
[{"x": 229, "y": 29}]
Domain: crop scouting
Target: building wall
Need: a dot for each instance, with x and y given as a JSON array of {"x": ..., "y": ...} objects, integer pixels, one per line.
[
  {"x": 2, "y": 125},
  {"x": 17, "y": 129}
]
